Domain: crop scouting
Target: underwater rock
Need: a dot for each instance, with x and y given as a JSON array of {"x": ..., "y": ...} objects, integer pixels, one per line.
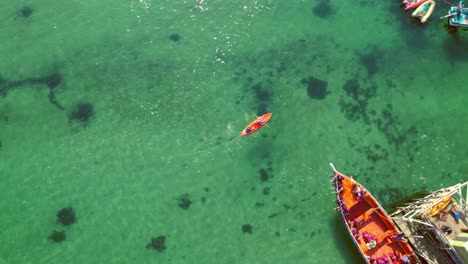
[
  {"x": 184, "y": 201},
  {"x": 175, "y": 37},
  {"x": 66, "y": 216},
  {"x": 82, "y": 113},
  {"x": 264, "y": 175},
  {"x": 323, "y": 9},
  {"x": 25, "y": 11},
  {"x": 57, "y": 236},
  {"x": 247, "y": 229},
  {"x": 157, "y": 243},
  {"x": 266, "y": 190},
  {"x": 316, "y": 88}
]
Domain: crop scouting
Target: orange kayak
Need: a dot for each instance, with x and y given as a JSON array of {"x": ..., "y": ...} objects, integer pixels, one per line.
[
  {"x": 370, "y": 227},
  {"x": 256, "y": 124}
]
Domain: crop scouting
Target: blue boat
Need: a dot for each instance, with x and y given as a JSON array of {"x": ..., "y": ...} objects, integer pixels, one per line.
[{"x": 458, "y": 16}]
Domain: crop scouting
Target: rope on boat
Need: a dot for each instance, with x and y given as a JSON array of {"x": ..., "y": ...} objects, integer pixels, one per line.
[{"x": 449, "y": 3}]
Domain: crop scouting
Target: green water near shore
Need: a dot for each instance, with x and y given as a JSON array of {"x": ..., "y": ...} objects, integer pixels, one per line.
[{"x": 171, "y": 84}]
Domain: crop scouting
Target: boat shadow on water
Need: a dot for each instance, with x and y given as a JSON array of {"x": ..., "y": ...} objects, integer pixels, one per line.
[
  {"x": 344, "y": 245},
  {"x": 454, "y": 46}
]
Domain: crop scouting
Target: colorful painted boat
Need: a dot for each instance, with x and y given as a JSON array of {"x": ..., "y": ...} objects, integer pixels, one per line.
[
  {"x": 411, "y": 4},
  {"x": 373, "y": 232},
  {"x": 458, "y": 16},
  {"x": 256, "y": 124},
  {"x": 424, "y": 11}
]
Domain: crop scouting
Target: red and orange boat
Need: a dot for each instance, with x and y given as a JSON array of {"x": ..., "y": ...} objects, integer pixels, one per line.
[
  {"x": 412, "y": 4},
  {"x": 371, "y": 229},
  {"x": 256, "y": 124}
]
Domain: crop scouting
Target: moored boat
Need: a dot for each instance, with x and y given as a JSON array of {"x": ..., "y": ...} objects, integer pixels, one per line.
[
  {"x": 372, "y": 231},
  {"x": 411, "y": 4},
  {"x": 458, "y": 16},
  {"x": 424, "y": 11}
]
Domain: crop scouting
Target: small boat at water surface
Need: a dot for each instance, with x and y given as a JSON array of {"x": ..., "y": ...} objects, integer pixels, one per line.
[
  {"x": 458, "y": 16},
  {"x": 373, "y": 232},
  {"x": 256, "y": 124},
  {"x": 411, "y": 4},
  {"x": 424, "y": 11}
]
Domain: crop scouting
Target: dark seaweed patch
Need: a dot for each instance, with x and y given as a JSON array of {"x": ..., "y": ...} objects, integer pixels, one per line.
[
  {"x": 184, "y": 201},
  {"x": 57, "y": 236},
  {"x": 388, "y": 124},
  {"x": 266, "y": 190},
  {"x": 157, "y": 243},
  {"x": 323, "y": 9},
  {"x": 264, "y": 175},
  {"x": 351, "y": 88},
  {"x": 25, "y": 12},
  {"x": 247, "y": 229},
  {"x": 273, "y": 215},
  {"x": 66, "y": 216},
  {"x": 369, "y": 61},
  {"x": 53, "y": 100},
  {"x": 82, "y": 114},
  {"x": 356, "y": 108},
  {"x": 263, "y": 96},
  {"x": 316, "y": 88},
  {"x": 374, "y": 152},
  {"x": 51, "y": 81},
  {"x": 175, "y": 37}
]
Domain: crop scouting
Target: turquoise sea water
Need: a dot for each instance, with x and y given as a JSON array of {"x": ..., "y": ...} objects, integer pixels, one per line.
[{"x": 154, "y": 94}]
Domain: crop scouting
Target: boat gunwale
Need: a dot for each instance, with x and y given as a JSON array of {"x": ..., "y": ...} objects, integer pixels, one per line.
[{"x": 382, "y": 215}]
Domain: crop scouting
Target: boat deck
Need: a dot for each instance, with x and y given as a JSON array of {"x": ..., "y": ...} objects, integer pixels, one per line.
[
  {"x": 432, "y": 243},
  {"x": 423, "y": 244},
  {"x": 455, "y": 225}
]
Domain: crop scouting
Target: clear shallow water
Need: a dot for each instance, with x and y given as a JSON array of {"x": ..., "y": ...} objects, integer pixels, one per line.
[{"x": 166, "y": 111}]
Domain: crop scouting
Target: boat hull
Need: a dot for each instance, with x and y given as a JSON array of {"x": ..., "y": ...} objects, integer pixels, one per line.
[
  {"x": 424, "y": 11},
  {"x": 412, "y": 4},
  {"x": 458, "y": 18},
  {"x": 369, "y": 226},
  {"x": 256, "y": 124}
]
